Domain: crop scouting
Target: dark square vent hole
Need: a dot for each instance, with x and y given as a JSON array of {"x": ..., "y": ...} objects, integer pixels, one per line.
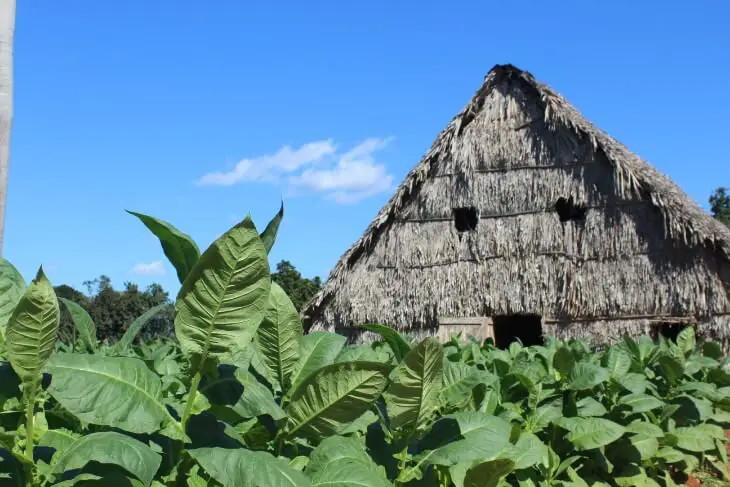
[
  {"x": 568, "y": 210},
  {"x": 466, "y": 219}
]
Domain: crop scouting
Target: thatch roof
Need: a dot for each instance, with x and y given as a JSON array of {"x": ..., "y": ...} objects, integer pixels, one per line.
[{"x": 684, "y": 220}]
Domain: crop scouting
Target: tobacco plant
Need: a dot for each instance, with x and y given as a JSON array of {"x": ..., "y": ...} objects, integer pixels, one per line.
[{"x": 242, "y": 397}]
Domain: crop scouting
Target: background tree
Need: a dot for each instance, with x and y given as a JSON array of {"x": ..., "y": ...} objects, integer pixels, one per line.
[
  {"x": 299, "y": 289},
  {"x": 113, "y": 311},
  {"x": 720, "y": 205}
]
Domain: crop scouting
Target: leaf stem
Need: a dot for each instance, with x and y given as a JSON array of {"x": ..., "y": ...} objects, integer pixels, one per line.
[
  {"x": 401, "y": 466},
  {"x": 191, "y": 400},
  {"x": 386, "y": 430},
  {"x": 29, "y": 424},
  {"x": 278, "y": 444}
]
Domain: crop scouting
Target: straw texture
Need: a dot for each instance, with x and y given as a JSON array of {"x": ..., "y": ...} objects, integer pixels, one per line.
[{"x": 644, "y": 254}]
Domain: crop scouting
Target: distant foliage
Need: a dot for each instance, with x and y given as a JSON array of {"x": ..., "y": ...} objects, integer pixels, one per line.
[
  {"x": 113, "y": 311},
  {"x": 299, "y": 289},
  {"x": 720, "y": 205}
]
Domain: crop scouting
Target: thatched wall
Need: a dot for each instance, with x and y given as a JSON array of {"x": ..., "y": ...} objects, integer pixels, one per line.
[{"x": 643, "y": 254}]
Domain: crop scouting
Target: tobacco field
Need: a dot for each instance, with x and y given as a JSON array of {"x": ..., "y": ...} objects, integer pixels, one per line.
[{"x": 243, "y": 397}]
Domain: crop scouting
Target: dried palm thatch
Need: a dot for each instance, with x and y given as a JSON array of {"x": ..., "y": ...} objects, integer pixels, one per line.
[{"x": 637, "y": 252}]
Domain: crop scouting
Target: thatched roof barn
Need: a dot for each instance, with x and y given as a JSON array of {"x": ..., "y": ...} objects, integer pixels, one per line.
[{"x": 523, "y": 218}]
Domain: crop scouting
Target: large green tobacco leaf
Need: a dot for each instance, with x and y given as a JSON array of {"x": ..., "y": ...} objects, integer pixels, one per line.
[
  {"x": 632, "y": 449},
  {"x": 633, "y": 382},
  {"x": 488, "y": 474},
  {"x": 250, "y": 358},
  {"x": 114, "y": 391},
  {"x": 336, "y": 448},
  {"x": 617, "y": 361},
  {"x": 586, "y": 375},
  {"x": 12, "y": 286},
  {"x": 719, "y": 376},
  {"x": 333, "y": 396},
  {"x": 58, "y": 439},
  {"x": 529, "y": 371},
  {"x": 686, "y": 341},
  {"x": 590, "y": 433},
  {"x": 647, "y": 446},
  {"x": 712, "y": 350},
  {"x": 110, "y": 448},
  {"x": 643, "y": 350},
  {"x": 223, "y": 299},
  {"x": 256, "y": 399},
  {"x": 179, "y": 248},
  {"x": 245, "y": 468},
  {"x": 672, "y": 367},
  {"x": 268, "y": 236},
  {"x": 703, "y": 390},
  {"x": 83, "y": 323},
  {"x": 136, "y": 326},
  {"x": 279, "y": 335},
  {"x": 640, "y": 403},
  {"x": 459, "y": 380},
  {"x": 699, "y": 439},
  {"x": 346, "y": 473},
  {"x": 397, "y": 343},
  {"x": 238, "y": 390},
  {"x": 697, "y": 363},
  {"x": 590, "y": 407},
  {"x": 645, "y": 428},
  {"x": 413, "y": 394},
  {"x": 111, "y": 477},
  {"x": 528, "y": 451},
  {"x": 362, "y": 352},
  {"x": 546, "y": 414},
  {"x": 564, "y": 361},
  {"x": 299, "y": 462},
  {"x": 632, "y": 475},
  {"x": 316, "y": 350},
  {"x": 343, "y": 462},
  {"x": 194, "y": 478},
  {"x": 32, "y": 328},
  {"x": 465, "y": 436}
]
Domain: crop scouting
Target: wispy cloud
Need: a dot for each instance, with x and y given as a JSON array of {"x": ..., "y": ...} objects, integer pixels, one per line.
[
  {"x": 155, "y": 268},
  {"x": 270, "y": 167},
  {"x": 344, "y": 177},
  {"x": 355, "y": 176}
]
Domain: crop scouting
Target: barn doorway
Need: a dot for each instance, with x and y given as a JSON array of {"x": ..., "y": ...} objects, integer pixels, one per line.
[
  {"x": 527, "y": 328},
  {"x": 669, "y": 331}
]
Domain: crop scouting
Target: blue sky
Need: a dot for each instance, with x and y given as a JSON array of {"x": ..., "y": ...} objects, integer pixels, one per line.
[{"x": 129, "y": 105}]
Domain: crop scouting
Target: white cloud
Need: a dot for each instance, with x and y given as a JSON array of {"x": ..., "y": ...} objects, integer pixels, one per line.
[
  {"x": 317, "y": 166},
  {"x": 269, "y": 167},
  {"x": 155, "y": 268}
]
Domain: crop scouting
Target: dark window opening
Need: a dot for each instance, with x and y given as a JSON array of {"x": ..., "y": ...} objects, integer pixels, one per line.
[
  {"x": 669, "y": 331},
  {"x": 466, "y": 219},
  {"x": 527, "y": 328},
  {"x": 569, "y": 210}
]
